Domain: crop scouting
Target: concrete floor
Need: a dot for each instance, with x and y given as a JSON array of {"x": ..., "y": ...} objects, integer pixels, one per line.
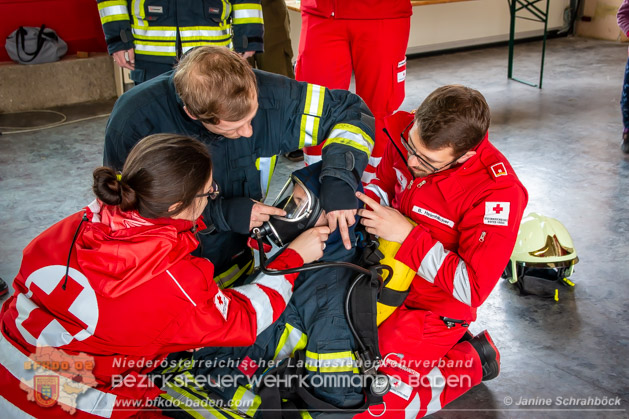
[{"x": 563, "y": 141}]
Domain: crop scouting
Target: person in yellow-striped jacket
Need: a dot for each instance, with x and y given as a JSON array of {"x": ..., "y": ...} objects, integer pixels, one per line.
[{"x": 149, "y": 36}]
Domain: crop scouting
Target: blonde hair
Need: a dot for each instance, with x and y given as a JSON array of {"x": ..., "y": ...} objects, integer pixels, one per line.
[{"x": 216, "y": 84}]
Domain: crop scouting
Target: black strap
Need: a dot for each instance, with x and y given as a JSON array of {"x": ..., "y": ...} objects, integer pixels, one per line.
[
  {"x": 392, "y": 297},
  {"x": 20, "y": 35}
]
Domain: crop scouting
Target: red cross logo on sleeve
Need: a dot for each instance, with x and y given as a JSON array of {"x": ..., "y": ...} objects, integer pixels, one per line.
[
  {"x": 51, "y": 316},
  {"x": 497, "y": 209}
]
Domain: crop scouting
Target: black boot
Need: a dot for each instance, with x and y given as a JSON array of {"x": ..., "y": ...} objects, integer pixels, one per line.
[
  {"x": 488, "y": 353},
  {"x": 625, "y": 143},
  {"x": 4, "y": 288}
]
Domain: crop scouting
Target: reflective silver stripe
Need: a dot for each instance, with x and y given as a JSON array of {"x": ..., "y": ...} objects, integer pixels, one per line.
[
  {"x": 317, "y": 92},
  {"x": 155, "y": 48},
  {"x": 462, "y": 289},
  {"x": 246, "y": 401},
  {"x": 437, "y": 383},
  {"x": 9, "y": 410},
  {"x": 89, "y": 400},
  {"x": 154, "y": 33},
  {"x": 413, "y": 408},
  {"x": 113, "y": 11},
  {"x": 265, "y": 174},
  {"x": 384, "y": 198},
  {"x": 432, "y": 262},
  {"x": 239, "y": 13},
  {"x": 200, "y": 33},
  {"x": 292, "y": 340},
  {"x": 181, "y": 398},
  {"x": 277, "y": 283},
  {"x": 138, "y": 12},
  {"x": 261, "y": 304},
  {"x": 309, "y": 130},
  {"x": 330, "y": 363},
  {"x": 367, "y": 177},
  {"x": 354, "y": 137},
  {"x": 308, "y": 159},
  {"x": 374, "y": 161}
]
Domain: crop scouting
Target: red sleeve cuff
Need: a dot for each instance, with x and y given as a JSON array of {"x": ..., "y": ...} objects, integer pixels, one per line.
[
  {"x": 288, "y": 259},
  {"x": 407, "y": 253}
]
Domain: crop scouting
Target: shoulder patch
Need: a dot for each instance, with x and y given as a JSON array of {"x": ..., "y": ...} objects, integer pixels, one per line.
[
  {"x": 497, "y": 213},
  {"x": 222, "y": 303},
  {"x": 498, "y": 169}
]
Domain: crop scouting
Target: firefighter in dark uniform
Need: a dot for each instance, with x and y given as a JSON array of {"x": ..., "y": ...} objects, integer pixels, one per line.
[
  {"x": 247, "y": 118},
  {"x": 148, "y": 37}
]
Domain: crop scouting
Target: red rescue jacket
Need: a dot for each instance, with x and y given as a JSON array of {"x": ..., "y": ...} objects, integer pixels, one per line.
[
  {"x": 133, "y": 295},
  {"x": 358, "y": 9},
  {"x": 468, "y": 218}
]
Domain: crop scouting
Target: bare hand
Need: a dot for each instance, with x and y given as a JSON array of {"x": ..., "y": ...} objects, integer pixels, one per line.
[
  {"x": 343, "y": 219},
  {"x": 310, "y": 243},
  {"x": 261, "y": 213},
  {"x": 247, "y": 54},
  {"x": 385, "y": 222},
  {"x": 125, "y": 61}
]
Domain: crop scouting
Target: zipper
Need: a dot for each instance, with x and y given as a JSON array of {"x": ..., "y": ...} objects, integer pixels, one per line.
[{"x": 482, "y": 236}]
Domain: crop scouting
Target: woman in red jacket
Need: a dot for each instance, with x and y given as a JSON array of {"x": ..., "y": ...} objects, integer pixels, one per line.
[{"x": 103, "y": 296}]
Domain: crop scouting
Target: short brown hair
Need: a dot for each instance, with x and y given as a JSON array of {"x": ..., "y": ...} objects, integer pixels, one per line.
[
  {"x": 216, "y": 84},
  {"x": 453, "y": 116},
  {"x": 161, "y": 170}
]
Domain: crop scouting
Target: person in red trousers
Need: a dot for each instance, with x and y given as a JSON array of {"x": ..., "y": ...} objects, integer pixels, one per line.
[
  {"x": 366, "y": 37},
  {"x": 441, "y": 171}
]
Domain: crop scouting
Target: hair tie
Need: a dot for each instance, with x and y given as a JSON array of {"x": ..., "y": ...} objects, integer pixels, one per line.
[{"x": 119, "y": 177}]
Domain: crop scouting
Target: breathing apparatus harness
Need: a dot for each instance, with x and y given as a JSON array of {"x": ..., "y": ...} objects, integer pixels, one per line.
[{"x": 360, "y": 317}]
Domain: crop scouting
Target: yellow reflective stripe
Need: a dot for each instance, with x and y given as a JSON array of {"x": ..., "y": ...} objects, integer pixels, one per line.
[
  {"x": 266, "y": 167},
  {"x": 241, "y": 21},
  {"x": 205, "y": 404},
  {"x": 304, "y": 414},
  {"x": 345, "y": 362},
  {"x": 111, "y": 11},
  {"x": 347, "y": 142},
  {"x": 246, "y": 401},
  {"x": 182, "y": 405},
  {"x": 291, "y": 340},
  {"x": 352, "y": 132},
  {"x": 204, "y": 32},
  {"x": 247, "y": 13},
  {"x": 313, "y": 108},
  {"x": 228, "y": 277},
  {"x": 315, "y": 96},
  {"x": 138, "y": 13},
  {"x": 309, "y": 131}
]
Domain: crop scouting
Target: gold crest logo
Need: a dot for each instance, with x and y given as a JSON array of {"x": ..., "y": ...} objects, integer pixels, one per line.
[{"x": 46, "y": 390}]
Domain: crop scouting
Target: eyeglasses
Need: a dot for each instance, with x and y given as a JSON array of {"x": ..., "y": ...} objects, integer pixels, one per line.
[
  {"x": 212, "y": 194},
  {"x": 407, "y": 145}
]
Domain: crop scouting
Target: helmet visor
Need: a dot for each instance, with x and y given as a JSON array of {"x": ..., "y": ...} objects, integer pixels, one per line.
[{"x": 296, "y": 199}]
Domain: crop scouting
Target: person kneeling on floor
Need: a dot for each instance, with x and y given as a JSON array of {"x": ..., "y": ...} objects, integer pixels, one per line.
[
  {"x": 106, "y": 294},
  {"x": 466, "y": 204}
]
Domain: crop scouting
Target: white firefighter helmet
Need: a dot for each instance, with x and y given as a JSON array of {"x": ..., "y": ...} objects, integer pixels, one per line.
[{"x": 543, "y": 257}]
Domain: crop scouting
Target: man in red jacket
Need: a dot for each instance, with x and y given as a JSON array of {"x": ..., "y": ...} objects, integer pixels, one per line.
[
  {"x": 441, "y": 171},
  {"x": 366, "y": 37}
]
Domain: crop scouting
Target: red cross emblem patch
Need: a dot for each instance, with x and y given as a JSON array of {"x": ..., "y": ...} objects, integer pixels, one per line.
[
  {"x": 497, "y": 213},
  {"x": 222, "y": 304}
]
